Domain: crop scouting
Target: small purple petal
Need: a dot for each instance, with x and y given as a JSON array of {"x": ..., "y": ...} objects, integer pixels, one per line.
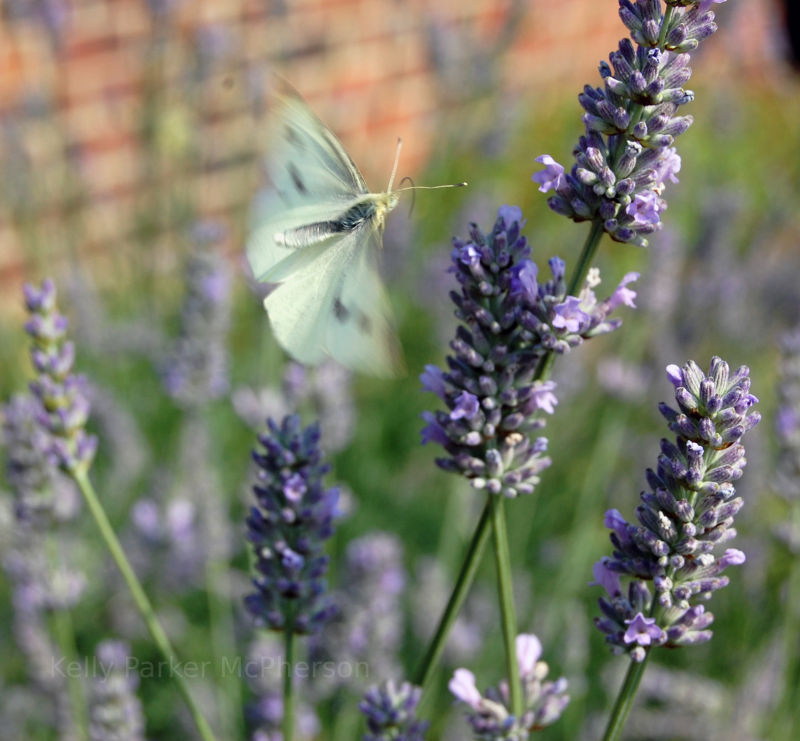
[
  {"x": 462, "y": 685},
  {"x": 641, "y": 630},
  {"x": 467, "y": 406},
  {"x": 529, "y": 651},
  {"x": 551, "y": 177}
]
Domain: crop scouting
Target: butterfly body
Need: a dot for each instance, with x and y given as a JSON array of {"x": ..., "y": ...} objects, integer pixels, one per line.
[{"x": 317, "y": 233}]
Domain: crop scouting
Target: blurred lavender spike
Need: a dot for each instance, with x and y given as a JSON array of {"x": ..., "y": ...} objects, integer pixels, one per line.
[
  {"x": 428, "y": 599},
  {"x": 195, "y": 370},
  {"x": 684, "y": 518},
  {"x": 367, "y": 628},
  {"x": 115, "y": 712},
  {"x": 41, "y": 494},
  {"x": 390, "y": 710},
  {"x": 626, "y": 157},
  {"x": 787, "y": 431},
  {"x": 62, "y": 394},
  {"x": 489, "y": 715},
  {"x": 293, "y": 517}
]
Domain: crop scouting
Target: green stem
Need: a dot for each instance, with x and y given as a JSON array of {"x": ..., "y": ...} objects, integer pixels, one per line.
[
  {"x": 785, "y": 718},
  {"x": 65, "y": 638},
  {"x": 624, "y": 702},
  {"x": 506, "y": 595},
  {"x": 140, "y": 598},
  {"x": 288, "y": 687},
  {"x": 63, "y": 630},
  {"x": 229, "y": 689},
  {"x": 464, "y": 581}
]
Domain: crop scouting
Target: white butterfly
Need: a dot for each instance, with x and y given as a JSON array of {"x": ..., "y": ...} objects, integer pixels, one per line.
[{"x": 317, "y": 231}]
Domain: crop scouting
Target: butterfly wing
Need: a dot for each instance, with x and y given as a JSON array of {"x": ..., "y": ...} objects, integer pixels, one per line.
[
  {"x": 317, "y": 232},
  {"x": 306, "y": 162},
  {"x": 334, "y": 304},
  {"x": 312, "y": 181}
]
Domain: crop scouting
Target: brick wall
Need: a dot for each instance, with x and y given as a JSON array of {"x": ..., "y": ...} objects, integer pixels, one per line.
[{"x": 124, "y": 119}]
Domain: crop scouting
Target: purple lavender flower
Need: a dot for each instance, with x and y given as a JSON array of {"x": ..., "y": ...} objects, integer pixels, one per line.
[
  {"x": 510, "y": 322},
  {"x": 196, "y": 369},
  {"x": 683, "y": 519},
  {"x": 114, "y": 709},
  {"x": 489, "y": 715},
  {"x": 288, "y": 532},
  {"x": 390, "y": 710},
  {"x": 626, "y": 157},
  {"x": 62, "y": 394}
]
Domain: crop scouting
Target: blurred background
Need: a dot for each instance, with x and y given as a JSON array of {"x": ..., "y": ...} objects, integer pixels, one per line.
[{"x": 129, "y": 154}]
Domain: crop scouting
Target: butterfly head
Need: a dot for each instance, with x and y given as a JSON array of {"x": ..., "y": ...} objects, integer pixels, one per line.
[{"x": 384, "y": 203}]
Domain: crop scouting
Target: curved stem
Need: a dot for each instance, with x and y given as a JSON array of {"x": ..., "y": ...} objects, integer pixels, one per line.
[
  {"x": 506, "y": 595},
  {"x": 287, "y": 726},
  {"x": 459, "y": 594},
  {"x": 140, "y": 599},
  {"x": 624, "y": 703}
]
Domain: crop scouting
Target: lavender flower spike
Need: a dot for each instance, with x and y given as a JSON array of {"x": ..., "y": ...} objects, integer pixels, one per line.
[
  {"x": 510, "y": 322},
  {"x": 65, "y": 405},
  {"x": 115, "y": 710},
  {"x": 390, "y": 710},
  {"x": 626, "y": 156},
  {"x": 683, "y": 520},
  {"x": 288, "y": 527},
  {"x": 489, "y": 714}
]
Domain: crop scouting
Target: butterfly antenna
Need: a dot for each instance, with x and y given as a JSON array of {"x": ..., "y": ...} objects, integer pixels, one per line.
[
  {"x": 413, "y": 194},
  {"x": 396, "y": 162},
  {"x": 431, "y": 187}
]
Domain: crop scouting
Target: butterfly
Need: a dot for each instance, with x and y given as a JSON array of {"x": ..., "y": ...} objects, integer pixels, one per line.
[{"x": 317, "y": 232}]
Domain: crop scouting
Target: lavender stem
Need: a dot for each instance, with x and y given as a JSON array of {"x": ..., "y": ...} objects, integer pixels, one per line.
[
  {"x": 287, "y": 726},
  {"x": 463, "y": 583},
  {"x": 64, "y": 633},
  {"x": 506, "y": 598},
  {"x": 143, "y": 604},
  {"x": 624, "y": 702}
]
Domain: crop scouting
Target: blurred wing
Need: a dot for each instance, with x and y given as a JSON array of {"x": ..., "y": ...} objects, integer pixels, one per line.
[
  {"x": 362, "y": 335},
  {"x": 305, "y": 161},
  {"x": 334, "y": 304},
  {"x": 313, "y": 182}
]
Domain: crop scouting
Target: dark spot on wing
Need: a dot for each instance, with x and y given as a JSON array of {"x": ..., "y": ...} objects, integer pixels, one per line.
[
  {"x": 364, "y": 323},
  {"x": 296, "y": 179},
  {"x": 340, "y": 311},
  {"x": 293, "y": 138}
]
